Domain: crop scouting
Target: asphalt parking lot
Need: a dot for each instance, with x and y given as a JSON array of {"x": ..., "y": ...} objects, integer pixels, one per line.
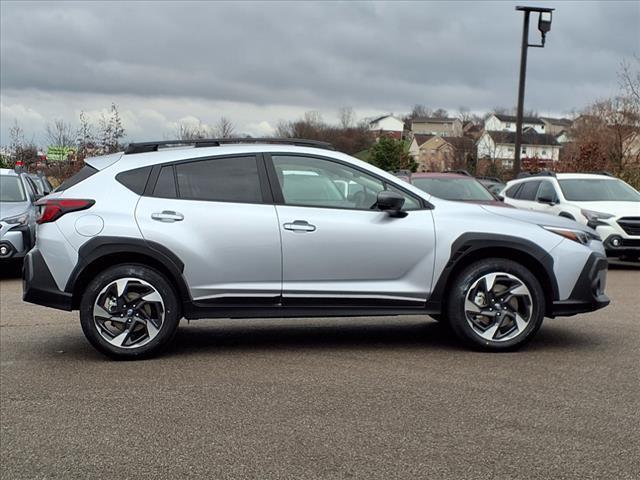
[{"x": 324, "y": 398}]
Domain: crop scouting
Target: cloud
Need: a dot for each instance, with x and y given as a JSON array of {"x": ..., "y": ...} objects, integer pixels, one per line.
[{"x": 260, "y": 62}]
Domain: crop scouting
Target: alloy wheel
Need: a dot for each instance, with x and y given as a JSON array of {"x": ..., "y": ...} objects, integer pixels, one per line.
[
  {"x": 498, "y": 306},
  {"x": 128, "y": 312}
]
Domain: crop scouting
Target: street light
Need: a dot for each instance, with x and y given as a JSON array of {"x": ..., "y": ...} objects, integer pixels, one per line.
[{"x": 544, "y": 25}]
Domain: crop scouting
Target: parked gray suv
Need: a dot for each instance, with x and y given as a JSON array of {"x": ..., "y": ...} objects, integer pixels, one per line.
[
  {"x": 290, "y": 228},
  {"x": 17, "y": 214}
]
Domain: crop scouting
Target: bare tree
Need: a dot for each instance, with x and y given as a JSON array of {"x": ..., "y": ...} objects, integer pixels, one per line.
[
  {"x": 346, "y": 117},
  {"x": 84, "y": 136},
  {"x": 224, "y": 128},
  {"x": 188, "y": 131},
  {"x": 60, "y": 134},
  {"x": 117, "y": 129},
  {"x": 440, "y": 113}
]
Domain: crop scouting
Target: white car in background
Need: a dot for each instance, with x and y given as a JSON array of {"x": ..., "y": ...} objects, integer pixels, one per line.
[{"x": 601, "y": 201}]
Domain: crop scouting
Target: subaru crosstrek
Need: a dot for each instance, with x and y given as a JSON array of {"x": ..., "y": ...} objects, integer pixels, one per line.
[{"x": 224, "y": 229}]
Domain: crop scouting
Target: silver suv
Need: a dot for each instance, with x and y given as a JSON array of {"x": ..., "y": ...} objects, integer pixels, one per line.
[
  {"x": 290, "y": 228},
  {"x": 17, "y": 214}
]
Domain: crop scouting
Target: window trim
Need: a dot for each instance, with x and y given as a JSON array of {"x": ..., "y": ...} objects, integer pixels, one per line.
[
  {"x": 279, "y": 197},
  {"x": 267, "y": 198}
]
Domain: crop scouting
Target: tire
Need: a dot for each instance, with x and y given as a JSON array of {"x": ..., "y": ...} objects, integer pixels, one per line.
[
  {"x": 512, "y": 318},
  {"x": 123, "y": 330},
  {"x": 440, "y": 318}
]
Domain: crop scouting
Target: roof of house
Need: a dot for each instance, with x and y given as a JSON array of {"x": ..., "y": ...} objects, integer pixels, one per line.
[
  {"x": 512, "y": 119},
  {"x": 528, "y": 138},
  {"x": 434, "y": 120},
  {"x": 420, "y": 138},
  {"x": 455, "y": 142},
  {"x": 561, "y": 122}
]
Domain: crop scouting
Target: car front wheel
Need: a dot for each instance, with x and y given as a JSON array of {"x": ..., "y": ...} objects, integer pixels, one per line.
[
  {"x": 129, "y": 311},
  {"x": 496, "y": 304}
]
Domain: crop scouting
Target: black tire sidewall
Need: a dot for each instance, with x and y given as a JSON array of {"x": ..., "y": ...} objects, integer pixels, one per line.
[
  {"x": 162, "y": 286},
  {"x": 460, "y": 287}
]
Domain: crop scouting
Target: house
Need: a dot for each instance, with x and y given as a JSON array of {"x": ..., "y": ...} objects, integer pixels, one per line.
[
  {"x": 497, "y": 122},
  {"x": 387, "y": 125},
  {"x": 444, "y": 153},
  {"x": 500, "y": 146},
  {"x": 445, "y": 127},
  {"x": 555, "y": 126}
]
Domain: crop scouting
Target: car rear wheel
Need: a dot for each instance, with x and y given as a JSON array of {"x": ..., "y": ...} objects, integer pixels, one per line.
[
  {"x": 496, "y": 304},
  {"x": 129, "y": 311}
]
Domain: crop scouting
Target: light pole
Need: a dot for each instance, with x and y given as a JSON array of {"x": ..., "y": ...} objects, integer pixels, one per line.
[{"x": 544, "y": 25}]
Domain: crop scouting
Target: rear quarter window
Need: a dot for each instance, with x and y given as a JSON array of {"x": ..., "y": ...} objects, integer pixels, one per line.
[
  {"x": 82, "y": 175},
  {"x": 135, "y": 180}
]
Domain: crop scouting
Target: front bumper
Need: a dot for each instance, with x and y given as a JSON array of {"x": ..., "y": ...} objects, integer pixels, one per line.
[
  {"x": 617, "y": 246},
  {"x": 14, "y": 242},
  {"x": 38, "y": 285},
  {"x": 588, "y": 293}
]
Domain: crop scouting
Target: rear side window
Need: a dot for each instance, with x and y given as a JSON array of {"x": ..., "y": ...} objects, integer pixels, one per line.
[
  {"x": 528, "y": 191},
  {"x": 512, "y": 191},
  {"x": 166, "y": 184},
  {"x": 232, "y": 179},
  {"x": 82, "y": 175},
  {"x": 135, "y": 180}
]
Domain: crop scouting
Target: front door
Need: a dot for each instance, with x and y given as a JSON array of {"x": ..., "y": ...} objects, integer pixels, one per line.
[
  {"x": 214, "y": 215},
  {"x": 338, "y": 249}
]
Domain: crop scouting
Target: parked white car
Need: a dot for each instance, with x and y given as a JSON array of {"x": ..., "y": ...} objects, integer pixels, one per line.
[{"x": 601, "y": 201}]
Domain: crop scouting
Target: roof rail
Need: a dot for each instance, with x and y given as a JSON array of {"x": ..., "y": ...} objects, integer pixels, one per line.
[
  {"x": 492, "y": 179},
  {"x": 459, "y": 172},
  {"x": 599, "y": 172},
  {"x": 542, "y": 173},
  {"x": 142, "y": 147}
]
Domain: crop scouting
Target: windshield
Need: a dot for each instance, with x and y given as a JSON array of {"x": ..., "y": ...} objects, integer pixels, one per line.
[
  {"x": 453, "y": 188},
  {"x": 11, "y": 189},
  {"x": 598, "y": 190}
]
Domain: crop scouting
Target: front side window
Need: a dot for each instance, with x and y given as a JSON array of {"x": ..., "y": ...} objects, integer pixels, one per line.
[
  {"x": 512, "y": 191},
  {"x": 317, "y": 182},
  {"x": 547, "y": 191},
  {"x": 11, "y": 189},
  {"x": 230, "y": 179}
]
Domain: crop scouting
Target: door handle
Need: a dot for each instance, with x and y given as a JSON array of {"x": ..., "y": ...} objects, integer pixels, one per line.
[
  {"x": 299, "y": 226},
  {"x": 167, "y": 216}
]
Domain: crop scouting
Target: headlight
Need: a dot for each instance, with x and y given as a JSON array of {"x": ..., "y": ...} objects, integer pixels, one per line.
[
  {"x": 579, "y": 236},
  {"x": 21, "y": 219},
  {"x": 594, "y": 218}
]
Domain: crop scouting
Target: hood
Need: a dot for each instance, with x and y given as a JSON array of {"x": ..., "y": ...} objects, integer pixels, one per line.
[
  {"x": 494, "y": 203},
  {"x": 11, "y": 209},
  {"x": 538, "y": 218},
  {"x": 619, "y": 209}
]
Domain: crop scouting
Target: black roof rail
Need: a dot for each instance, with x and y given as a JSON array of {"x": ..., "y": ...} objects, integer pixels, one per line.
[
  {"x": 542, "y": 173},
  {"x": 599, "y": 172},
  {"x": 492, "y": 179},
  {"x": 142, "y": 147},
  {"x": 459, "y": 172}
]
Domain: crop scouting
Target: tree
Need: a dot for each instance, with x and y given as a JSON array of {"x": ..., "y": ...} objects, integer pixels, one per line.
[
  {"x": 346, "y": 117},
  {"x": 189, "y": 131},
  {"x": 117, "y": 130},
  {"x": 84, "y": 136},
  {"x": 224, "y": 128},
  {"x": 111, "y": 130},
  {"x": 440, "y": 113},
  {"x": 60, "y": 134},
  {"x": 391, "y": 155}
]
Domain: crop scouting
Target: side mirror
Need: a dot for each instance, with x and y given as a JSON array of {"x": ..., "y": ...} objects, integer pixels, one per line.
[
  {"x": 501, "y": 198},
  {"x": 391, "y": 202},
  {"x": 547, "y": 200}
]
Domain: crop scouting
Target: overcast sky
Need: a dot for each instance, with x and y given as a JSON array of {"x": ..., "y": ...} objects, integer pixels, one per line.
[{"x": 258, "y": 63}]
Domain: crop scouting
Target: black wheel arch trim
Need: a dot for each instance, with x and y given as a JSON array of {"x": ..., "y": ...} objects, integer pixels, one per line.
[
  {"x": 100, "y": 247},
  {"x": 468, "y": 245}
]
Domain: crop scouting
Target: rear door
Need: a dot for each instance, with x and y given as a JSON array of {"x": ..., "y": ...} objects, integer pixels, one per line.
[
  {"x": 338, "y": 249},
  {"x": 217, "y": 216}
]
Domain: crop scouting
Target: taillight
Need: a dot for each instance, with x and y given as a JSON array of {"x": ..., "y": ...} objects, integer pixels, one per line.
[{"x": 53, "y": 209}]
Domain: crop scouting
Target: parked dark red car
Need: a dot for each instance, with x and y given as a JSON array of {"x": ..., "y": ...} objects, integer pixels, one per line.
[{"x": 455, "y": 186}]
